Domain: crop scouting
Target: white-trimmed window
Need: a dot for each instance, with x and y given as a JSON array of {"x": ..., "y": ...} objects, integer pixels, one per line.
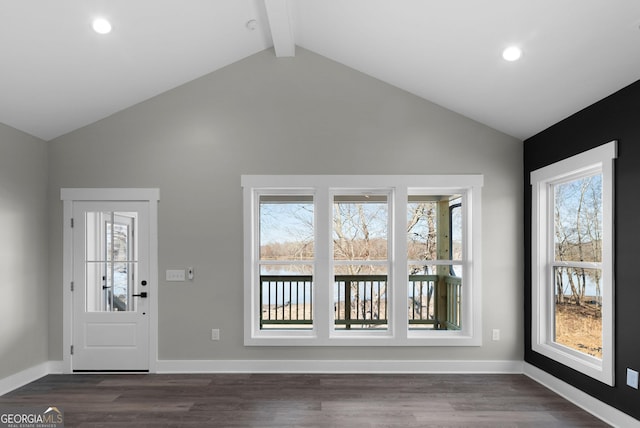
[
  {"x": 362, "y": 260},
  {"x": 572, "y": 262}
]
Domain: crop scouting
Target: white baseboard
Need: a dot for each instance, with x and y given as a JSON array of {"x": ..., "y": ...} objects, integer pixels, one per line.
[
  {"x": 603, "y": 411},
  {"x": 336, "y": 366},
  {"x": 56, "y": 367},
  {"x": 24, "y": 377}
]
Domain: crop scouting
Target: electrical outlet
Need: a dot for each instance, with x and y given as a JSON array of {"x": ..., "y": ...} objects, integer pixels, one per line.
[
  {"x": 496, "y": 334},
  {"x": 215, "y": 334},
  {"x": 632, "y": 378}
]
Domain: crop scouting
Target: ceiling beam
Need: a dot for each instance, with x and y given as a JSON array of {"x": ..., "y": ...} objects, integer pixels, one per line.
[{"x": 280, "y": 25}]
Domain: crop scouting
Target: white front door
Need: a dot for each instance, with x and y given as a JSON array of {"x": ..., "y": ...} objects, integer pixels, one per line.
[{"x": 111, "y": 286}]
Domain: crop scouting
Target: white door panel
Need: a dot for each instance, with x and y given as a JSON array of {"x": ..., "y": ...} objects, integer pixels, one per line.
[{"x": 111, "y": 334}]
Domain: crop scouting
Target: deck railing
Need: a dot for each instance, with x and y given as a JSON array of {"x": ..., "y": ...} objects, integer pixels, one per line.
[
  {"x": 454, "y": 303},
  {"x": 286, "y": 299},
  {"x": 434, "y": 301},
  {"x": 422, "y": 300},
  {"x": 360, "y": 300}
]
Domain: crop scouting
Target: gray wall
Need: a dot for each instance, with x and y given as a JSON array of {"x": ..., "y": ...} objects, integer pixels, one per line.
[
  {"x": 23, "y": 252},
  {"x": 265, "y": 115}
]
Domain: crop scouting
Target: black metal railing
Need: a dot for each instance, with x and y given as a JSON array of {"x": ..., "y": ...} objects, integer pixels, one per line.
[
  {"x": 422, "y": 300},
  {"x": 286, "y": 299},
  {"x": 361, "y": 301}
]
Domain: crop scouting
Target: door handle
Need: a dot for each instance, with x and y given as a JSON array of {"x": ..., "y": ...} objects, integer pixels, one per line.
[{"x": 143, "y": 295}]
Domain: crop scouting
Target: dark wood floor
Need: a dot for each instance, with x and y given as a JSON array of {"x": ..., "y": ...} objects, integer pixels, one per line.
[{"x": 273, "y": 400}]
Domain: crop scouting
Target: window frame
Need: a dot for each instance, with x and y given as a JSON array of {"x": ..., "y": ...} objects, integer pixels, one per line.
[
  {"x": 324, "y": 187},
  {"x": 258, "y": 263},
  {"x": 596, "y": 160},
  {"x": 345, "y": 192},
  {"x": 467, "y": 310}
]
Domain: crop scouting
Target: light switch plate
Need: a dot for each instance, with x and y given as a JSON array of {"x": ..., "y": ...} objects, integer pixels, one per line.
[{"x": 175, "y": 275}]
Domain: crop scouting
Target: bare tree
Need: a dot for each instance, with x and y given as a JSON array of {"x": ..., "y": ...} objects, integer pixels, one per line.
[
  {"x": 422, "y": 233},
  {"x": 360, "y": 235},
  {"x": 578, "y": 229},
  {"x": 421, "y": 228}
]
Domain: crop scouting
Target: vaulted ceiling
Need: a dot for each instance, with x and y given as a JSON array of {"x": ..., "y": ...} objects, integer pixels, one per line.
[{"x": 57, "y": 74}]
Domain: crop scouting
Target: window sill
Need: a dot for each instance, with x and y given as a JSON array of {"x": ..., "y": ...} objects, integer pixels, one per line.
[{"x": 441, "y": 338}]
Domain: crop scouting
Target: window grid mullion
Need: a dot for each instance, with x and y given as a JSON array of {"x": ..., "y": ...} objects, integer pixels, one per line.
[
  {"x": 323, "y": 284},
  {"x": 399, "y": 313}
]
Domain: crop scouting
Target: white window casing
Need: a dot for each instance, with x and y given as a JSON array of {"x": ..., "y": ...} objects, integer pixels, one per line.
[
  {"x": 397, "y": 188},
  {"x": 599, "y": 160}
]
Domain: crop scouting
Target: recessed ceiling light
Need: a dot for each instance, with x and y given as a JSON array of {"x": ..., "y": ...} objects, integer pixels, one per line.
[
  {"x": 101, "y": 26},
  {"x": 512, "y": 53}
]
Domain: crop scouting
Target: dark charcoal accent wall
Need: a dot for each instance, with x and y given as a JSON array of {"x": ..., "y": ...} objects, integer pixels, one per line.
[{"x": 616, "y": 117}]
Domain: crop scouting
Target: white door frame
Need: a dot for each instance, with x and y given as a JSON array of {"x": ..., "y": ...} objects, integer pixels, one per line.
[{"x": 69, "y": 196}]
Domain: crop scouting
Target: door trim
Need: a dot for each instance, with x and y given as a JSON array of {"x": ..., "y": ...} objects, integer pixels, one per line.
[{"x": 71, "y": 195}]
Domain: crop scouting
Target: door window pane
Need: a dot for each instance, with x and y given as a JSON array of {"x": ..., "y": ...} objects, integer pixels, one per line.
[{"x": 110, "y": 261}]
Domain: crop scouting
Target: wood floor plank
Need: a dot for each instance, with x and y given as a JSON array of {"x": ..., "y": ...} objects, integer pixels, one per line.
[
  {"x": 147, "y": 382},
  {"x": 301, "y": 400}
]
